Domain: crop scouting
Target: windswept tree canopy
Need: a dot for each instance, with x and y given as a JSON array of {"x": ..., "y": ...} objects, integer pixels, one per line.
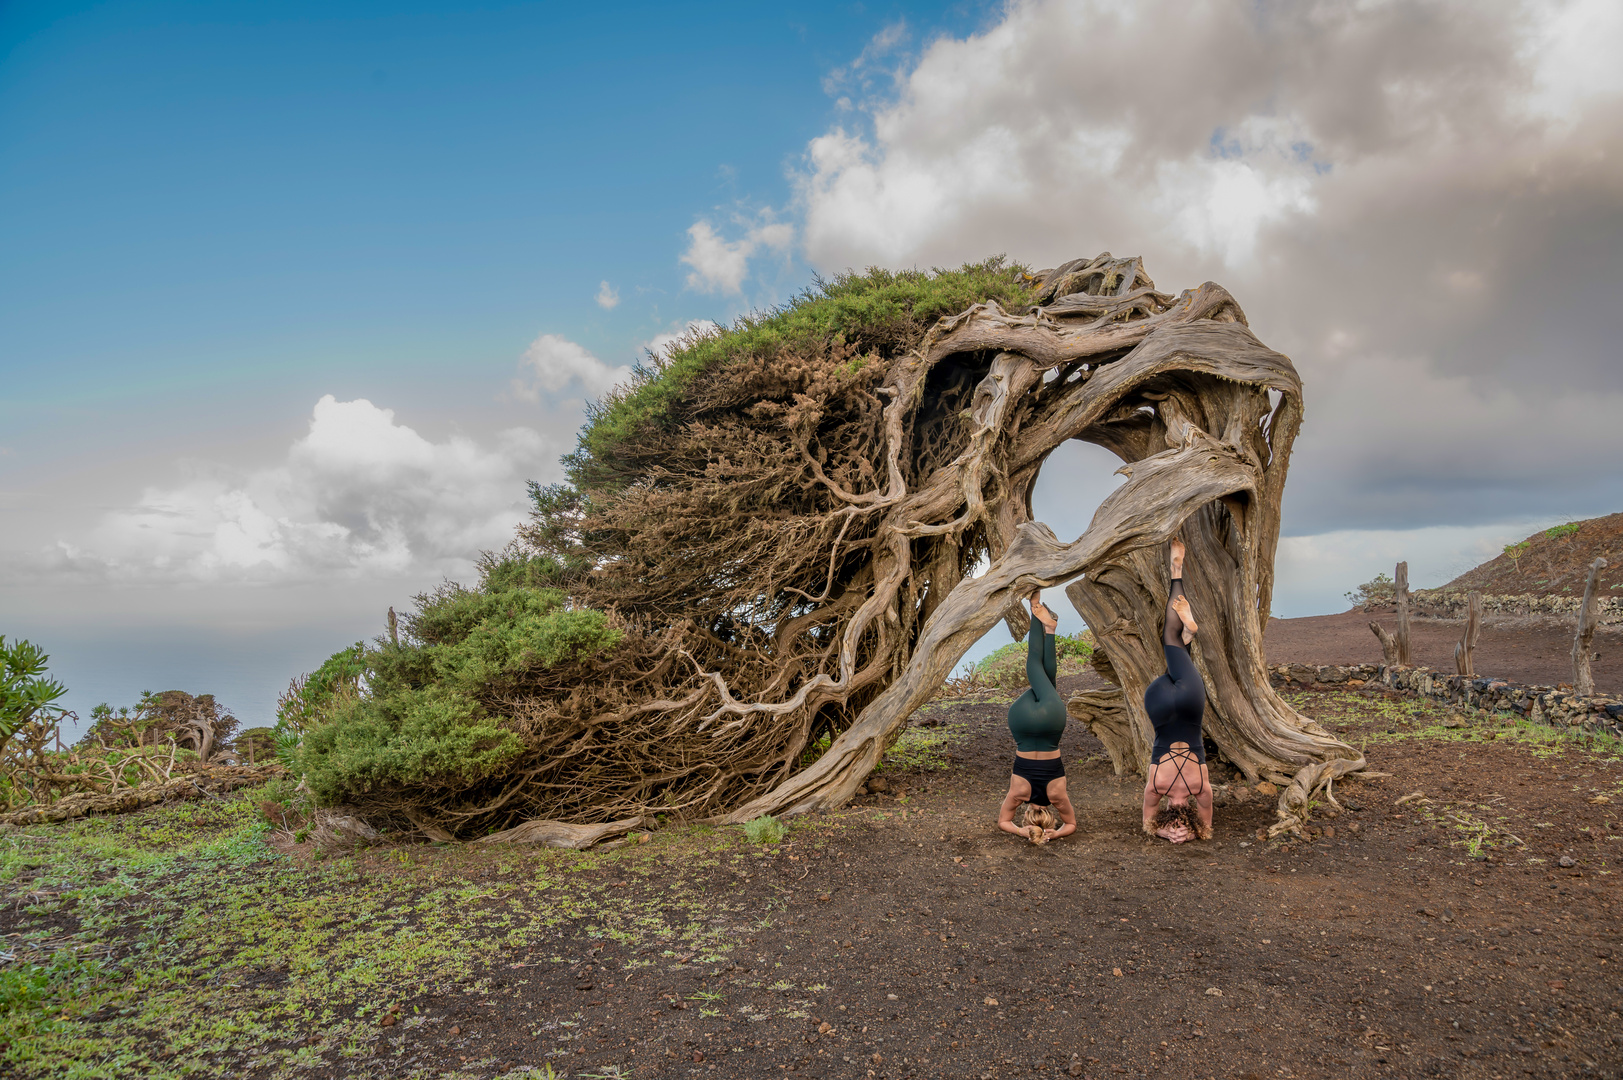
[{"x": 758, "y": 568}]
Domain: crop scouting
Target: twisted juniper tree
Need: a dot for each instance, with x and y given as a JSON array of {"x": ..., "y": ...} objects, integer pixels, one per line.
[{"x": 761, "y": 563}]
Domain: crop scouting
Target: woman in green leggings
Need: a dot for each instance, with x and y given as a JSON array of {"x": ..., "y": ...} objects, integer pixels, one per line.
[{"x": 1037, "y": 720}]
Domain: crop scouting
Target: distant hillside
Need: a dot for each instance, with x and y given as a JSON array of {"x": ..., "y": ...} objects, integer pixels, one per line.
[{"x": 1554, "y": 563}]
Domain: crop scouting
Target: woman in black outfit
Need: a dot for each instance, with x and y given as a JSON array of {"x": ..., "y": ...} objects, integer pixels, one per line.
[{"x": 1175, "y": 703}]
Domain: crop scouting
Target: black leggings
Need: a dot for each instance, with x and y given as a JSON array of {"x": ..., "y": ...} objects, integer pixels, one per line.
[{"x": 1176, "y": 702}]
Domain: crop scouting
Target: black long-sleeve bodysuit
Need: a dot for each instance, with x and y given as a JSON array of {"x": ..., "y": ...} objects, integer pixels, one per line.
[{"x": 1176, "y": 701}]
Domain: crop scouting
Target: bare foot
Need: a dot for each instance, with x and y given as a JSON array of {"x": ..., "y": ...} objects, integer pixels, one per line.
[
  {"x": 1044, "y": 614},
  {"x": 1177, "y": 554},
  {"x": 1180, "y": 604}
]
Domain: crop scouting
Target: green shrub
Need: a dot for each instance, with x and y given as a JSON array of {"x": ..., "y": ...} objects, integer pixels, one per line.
[
  {"x": 869, "y": 311},
  {"x": 26, "y": 695},
  {"x": 1378, "y": 590},
  {"x": 256, "y": 742},
  {"x": 1563, "y": 532},
  {"x": 432, "y": 736},
  {"x": 426, "y": 712},
  {"x": 1006, "y": 668},
  {"x": 765, "y": 829}
]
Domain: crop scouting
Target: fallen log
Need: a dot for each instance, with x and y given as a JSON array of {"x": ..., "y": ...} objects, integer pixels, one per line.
[
  {"x": 561, "y": 833},
  {"x": 194, "y": 785}
]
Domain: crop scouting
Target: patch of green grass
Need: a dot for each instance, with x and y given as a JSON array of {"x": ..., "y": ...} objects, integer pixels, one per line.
[
  {"x": 174, "y": 942},
  {"x": 1373, "y": 721},
  {"x": 922, "y": 748}
]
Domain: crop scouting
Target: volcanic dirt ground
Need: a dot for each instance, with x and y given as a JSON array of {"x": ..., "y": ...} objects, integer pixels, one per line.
[
  {"x": 909, "y": 938},
  {"x": 1458, "y": 918}
]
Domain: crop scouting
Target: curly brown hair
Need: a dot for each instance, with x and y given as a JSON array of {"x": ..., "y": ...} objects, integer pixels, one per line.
[{"x": 1184, "y": 815}]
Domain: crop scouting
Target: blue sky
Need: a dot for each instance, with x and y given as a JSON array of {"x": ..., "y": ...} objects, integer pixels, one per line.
[
  {"x": 294, "y": 298},
  {"x": 210, "y": 199}
]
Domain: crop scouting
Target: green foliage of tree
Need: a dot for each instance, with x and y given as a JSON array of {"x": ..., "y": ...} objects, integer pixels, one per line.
[
  {"x": 1378, "y": 590},
  {"x": 1515, "y": 551},
  {"x": 871, "y": 312},
  {"x": 26, "y": 694},
  {"x": 429, "y": 712}
]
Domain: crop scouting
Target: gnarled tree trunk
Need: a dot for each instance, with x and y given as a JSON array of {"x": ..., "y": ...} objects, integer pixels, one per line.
[{"x": 1180, "y": 390}]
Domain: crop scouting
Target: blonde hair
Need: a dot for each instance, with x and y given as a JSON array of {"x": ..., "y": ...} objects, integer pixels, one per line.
[{"x": 1038, "y": 819}]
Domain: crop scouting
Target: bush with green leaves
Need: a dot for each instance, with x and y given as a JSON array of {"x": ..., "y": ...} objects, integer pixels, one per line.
[
  {"x": 1378, "y": 590},
  {"x": 764, "y": 830},
  {"x": 30, "y": 724},
  {"x": 428, "y": 722},
  {"x": 1006, "y": 668}
]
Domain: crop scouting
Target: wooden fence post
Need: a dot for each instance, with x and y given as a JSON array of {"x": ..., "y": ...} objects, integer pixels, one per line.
[
  {"x": 1583, "y": 681},
  {"x": 1395, "y": 648},
  {"x": 1463, "y": 662},
  {"x": 1400, "y": 586}
]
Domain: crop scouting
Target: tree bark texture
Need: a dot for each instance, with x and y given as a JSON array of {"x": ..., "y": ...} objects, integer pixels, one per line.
[
  {"x": 1464, "y": 661},
  {"x": 1389, "y": 644},
  {"x": 1400, "y": 590},
  {"x": 1583, "y": 680}
]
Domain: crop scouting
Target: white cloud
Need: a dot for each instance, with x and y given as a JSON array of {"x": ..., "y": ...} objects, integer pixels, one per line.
[
  {"x": 358, "y": 496},
  {"x": 1420, "y": 201},
  {"x": 720, "y": 265},
  {"x": 553, "y": 362},
  {"x": 608, "y": 297}
]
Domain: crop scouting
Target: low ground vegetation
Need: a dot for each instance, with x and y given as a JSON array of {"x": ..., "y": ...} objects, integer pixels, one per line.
[{"x": 1457, "y": 918}]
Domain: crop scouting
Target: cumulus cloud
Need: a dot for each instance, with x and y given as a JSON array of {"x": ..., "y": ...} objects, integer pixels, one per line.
[
  {"x": 553, "y": 363},
  {"x": 1420, "y": 201},
  {"x": 608, "y": 297},
  {"x": 720, "y": 265},
  {"x": 359, "y": 495}
]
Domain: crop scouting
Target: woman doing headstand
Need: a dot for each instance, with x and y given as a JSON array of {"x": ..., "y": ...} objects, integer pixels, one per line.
[
  {"x": 1037, "y": 720},
  {"x": 1175, "y": 703}
]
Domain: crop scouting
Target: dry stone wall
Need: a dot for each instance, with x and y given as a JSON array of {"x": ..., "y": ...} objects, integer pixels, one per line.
[
  {"x": 1552, "y": 705},
  {"x": 1437, "y": 604}
]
